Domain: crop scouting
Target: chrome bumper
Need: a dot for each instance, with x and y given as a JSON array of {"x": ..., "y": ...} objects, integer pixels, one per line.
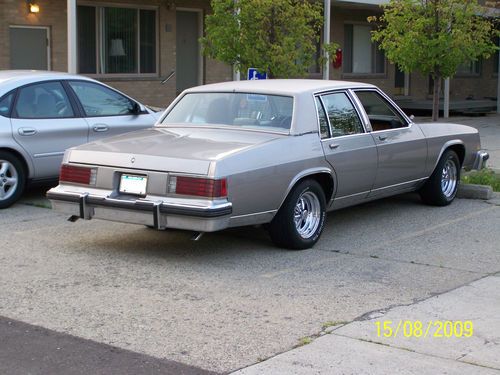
[
  {"x": 158, "y": 214},
  {"x": 480, "y": 160}
]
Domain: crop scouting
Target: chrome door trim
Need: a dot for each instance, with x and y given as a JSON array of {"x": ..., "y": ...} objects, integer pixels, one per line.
[
  {"x": 48, "y": 154},
  {"x": 254, "y": 214},
  {"x": 351, "y": 195},
  {"x": 399, "y": 184}
]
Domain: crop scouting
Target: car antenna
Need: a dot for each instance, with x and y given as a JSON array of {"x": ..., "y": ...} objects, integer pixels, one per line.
[{"x": 172, "y": 73}]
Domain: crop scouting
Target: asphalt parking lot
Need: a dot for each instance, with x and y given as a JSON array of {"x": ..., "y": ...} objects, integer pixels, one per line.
[{"x": 232, "y": 299}]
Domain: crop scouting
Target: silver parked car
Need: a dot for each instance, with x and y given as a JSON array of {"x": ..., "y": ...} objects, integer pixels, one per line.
[
  {"x": 44, "y": 113},
  {"x": 276, "y": 152}
]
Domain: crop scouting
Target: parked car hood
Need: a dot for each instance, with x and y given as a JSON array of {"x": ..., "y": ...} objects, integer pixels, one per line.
[{"x": 176, "y": 149}]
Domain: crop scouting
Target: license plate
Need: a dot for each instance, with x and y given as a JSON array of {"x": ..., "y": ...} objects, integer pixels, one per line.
[{"x": 133, "y": 184}]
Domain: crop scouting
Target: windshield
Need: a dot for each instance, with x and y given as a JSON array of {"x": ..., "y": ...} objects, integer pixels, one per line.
[{"x": 258, "y": 111}]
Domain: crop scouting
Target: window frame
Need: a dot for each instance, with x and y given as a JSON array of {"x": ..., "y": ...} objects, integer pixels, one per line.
[
  {"x": 409, "y": 122},
  {"x": 99, "y": 6},
  {"x": 472, "y": 74},
  {"x": 76, "y": 110},
  {"x": 355, "y": 105},
  {"x": 344, "y": 74}
]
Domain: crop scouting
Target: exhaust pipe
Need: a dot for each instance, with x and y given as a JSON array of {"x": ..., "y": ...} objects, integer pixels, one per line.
[{"x": 197, "y": 236}]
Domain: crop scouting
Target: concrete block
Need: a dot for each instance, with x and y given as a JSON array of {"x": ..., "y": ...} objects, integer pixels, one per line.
[{"x": 472, "y": 191}]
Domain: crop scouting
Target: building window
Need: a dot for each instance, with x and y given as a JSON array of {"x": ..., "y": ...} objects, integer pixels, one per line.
[
  {"x": 113, "y": 40},
  {"x": 361, "y": 55},
  {"x": 472, "y": 68}
]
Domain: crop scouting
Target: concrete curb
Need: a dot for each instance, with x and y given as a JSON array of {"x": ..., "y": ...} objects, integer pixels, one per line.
[{"x": 473, "y": 191}]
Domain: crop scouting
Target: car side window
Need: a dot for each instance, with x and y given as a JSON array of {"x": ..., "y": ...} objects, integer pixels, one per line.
[
  {"x": 344, "y": 119},
  {"x": 382, "y": 114},
  {"x": 99, "y": 100},
  {"x": 43, "y": 100},
  {"x": 5, "y": 104},
  {"x": 323, "y": 122}
]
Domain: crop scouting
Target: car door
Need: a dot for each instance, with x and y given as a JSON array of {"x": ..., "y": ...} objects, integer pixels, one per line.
[
  {"x": 401, "y": 145},
  {"x": 349, "y": 149},
  {"x": 107, "y": 111},
  {"x": 45, "y": 123}
]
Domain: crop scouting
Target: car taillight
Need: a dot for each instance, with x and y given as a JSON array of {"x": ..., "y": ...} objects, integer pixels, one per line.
[
  {"x": 199, "y": 187},
  {"x": 77, "y": 175}
]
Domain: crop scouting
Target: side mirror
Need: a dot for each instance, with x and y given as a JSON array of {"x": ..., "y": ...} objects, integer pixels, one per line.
[
  {"x": 412, "y": 117},
  {"x": 137, "y": 108}
]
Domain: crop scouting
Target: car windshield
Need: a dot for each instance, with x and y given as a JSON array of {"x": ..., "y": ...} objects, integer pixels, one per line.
[{"x": 246, "y": 110}]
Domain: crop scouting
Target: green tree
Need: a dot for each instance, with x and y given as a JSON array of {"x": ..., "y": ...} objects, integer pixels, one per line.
[
  {"x": 275, "y": 36},
  {"x": 434, "y": 37}
]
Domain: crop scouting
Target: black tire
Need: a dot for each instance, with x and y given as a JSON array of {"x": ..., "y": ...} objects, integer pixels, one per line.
[
  {"x": 436, "y": 191},
  {"x": 283, "y": 230},
  {"x": 9, "y": 194}
]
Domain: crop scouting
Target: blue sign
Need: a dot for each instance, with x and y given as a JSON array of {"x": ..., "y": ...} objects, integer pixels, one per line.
[{"x": 253, "y": 74}]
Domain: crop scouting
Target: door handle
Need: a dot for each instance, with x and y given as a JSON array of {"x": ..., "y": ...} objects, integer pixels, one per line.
[
  {"x": 333, "y": 146},
  {"x": 382, "y": 137},
  {"x": 101, "y": 128},
  {"x": 27, "y": 131}
]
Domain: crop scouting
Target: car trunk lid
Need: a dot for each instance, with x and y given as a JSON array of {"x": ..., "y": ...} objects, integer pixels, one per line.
[{"x": 172, "y": 149}]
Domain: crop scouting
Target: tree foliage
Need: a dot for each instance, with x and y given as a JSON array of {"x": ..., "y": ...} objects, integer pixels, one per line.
[
  {"x": 434, "y": 36},
  {"x": 275, "y": 36}
]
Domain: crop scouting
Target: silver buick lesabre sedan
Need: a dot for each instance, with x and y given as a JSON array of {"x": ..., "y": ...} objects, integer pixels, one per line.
[
  {"x": 43, "y": 113},
  {"x": 275, "y": 152}
]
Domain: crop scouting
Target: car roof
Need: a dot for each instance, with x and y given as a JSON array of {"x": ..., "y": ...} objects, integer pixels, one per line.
[
  {"x": 291, "y": 87},
  {"x": 10, "y": 79}
]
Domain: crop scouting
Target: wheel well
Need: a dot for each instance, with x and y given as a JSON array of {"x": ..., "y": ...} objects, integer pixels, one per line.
[
  {"x": 460, "y": 151},
  {"x": 20, "y": 157},
  {"x": 325, "y": 180}
]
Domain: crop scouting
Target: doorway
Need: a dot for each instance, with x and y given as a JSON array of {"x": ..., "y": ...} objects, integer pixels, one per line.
[
  {"x": 188, "y": 53},
  {"x": 29, "y": 47}
]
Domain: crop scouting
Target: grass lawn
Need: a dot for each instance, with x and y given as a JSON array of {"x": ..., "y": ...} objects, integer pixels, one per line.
[{"x": 483, "y": 177}]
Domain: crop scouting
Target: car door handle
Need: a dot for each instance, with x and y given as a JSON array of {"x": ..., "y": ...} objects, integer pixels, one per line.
[
  {"x": 101, "y": 128},
  {"x": 333, "y": 146},
  {"x": 26, "y": 131},
  {"x": 382, "y": 137}
]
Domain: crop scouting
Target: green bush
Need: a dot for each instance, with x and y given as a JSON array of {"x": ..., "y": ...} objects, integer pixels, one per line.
[{"x": 483, "y": 177}]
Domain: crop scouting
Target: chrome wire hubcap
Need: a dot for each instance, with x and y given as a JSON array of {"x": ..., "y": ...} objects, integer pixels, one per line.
[
  {"x": 8, "y": 180},
  {"x": 449, "y": 179},
  {"x": 307, "y": 214}
]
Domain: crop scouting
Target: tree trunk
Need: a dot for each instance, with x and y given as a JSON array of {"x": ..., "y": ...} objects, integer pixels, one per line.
[{"x": 435, "y": 97}]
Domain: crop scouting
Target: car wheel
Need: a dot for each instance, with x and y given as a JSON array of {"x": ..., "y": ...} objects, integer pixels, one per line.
[
  {"x": 300, "y": 220},
  {"x": 441, "y": 187},
  {"x": 12, "y": 179}
]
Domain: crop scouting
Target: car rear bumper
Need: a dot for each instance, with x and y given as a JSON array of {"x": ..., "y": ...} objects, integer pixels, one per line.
[
  {"x": 159, "y": 214},
  {"x": 480, "y": 160}
]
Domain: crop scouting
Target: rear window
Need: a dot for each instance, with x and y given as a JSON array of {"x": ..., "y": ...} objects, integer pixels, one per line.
[{"x": 246, "y": 110}]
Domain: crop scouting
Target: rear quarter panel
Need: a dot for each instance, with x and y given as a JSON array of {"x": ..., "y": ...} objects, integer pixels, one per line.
[
  {"x": 440, "y": 136},
  {"x": 260, "y": 178}
]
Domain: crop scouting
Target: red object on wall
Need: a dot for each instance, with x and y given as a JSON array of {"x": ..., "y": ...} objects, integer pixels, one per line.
[{"x": 337, "y": 63}]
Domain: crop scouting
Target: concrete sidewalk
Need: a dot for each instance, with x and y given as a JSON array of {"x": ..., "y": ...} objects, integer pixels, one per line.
[{"x": 356, "y": 348}]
